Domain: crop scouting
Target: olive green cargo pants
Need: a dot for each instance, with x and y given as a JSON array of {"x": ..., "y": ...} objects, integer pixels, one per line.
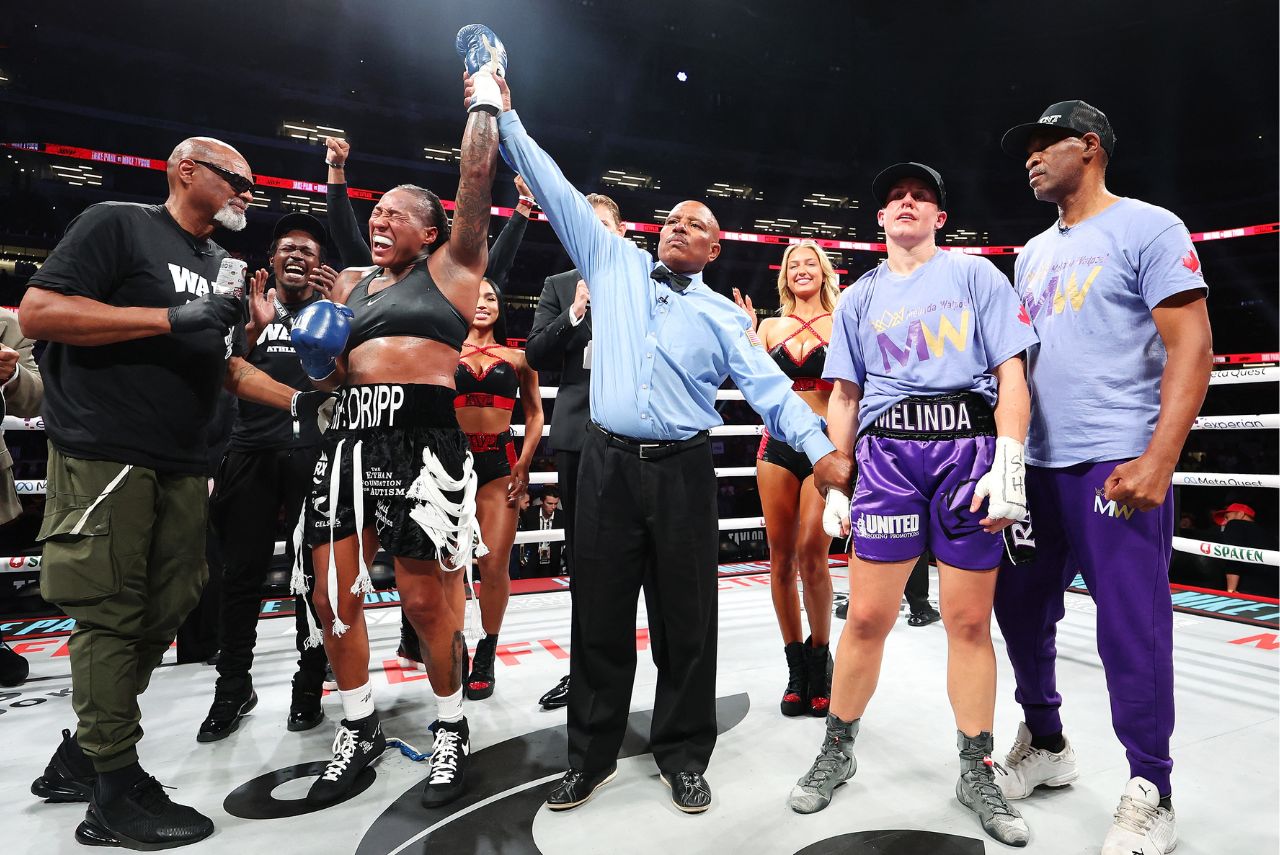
[{"x": 124, "y": 556}]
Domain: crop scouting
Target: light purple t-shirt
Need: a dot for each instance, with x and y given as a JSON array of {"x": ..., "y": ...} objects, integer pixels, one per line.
[
  {"x": 942, "y": 329},
  {"x": 1095, "y": 376}
]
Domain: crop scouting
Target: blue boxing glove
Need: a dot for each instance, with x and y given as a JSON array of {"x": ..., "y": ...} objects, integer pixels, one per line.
[
  {"x": 484, "y": 56},
  {"x": 319, "y": 336}
]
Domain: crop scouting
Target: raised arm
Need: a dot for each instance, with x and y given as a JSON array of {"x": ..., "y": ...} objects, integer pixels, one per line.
[
  {"x": 588, "y": 242},
  {"x": 502, "y": 254},
  {"x": 468, "y": 245},
  {"x": 343, "y": 226}
]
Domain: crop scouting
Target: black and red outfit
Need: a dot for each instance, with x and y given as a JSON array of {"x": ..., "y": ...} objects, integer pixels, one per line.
[
  {"x": 496, "y": 386},
  {"x": 806, "y": 376}
]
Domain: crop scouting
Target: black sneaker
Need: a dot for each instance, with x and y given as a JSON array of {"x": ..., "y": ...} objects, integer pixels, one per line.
[
  {"x": 69, "y": 777},
  {"x": 14, "y": 668},
  {"x": 143, "y": 819},
  {"x": 304, "y": 708},
  {"x": 689, "y": 791},
  {"x": 577, "y": 787},
  {"x": 225, "y": 714},
  {"x": 840, "y": 606},
  {"x": 447, "y": 778},
  {"x": 558, "y": 696},
  {"x": 481, "y": 682},
  {"x": 356, "y": 745}
]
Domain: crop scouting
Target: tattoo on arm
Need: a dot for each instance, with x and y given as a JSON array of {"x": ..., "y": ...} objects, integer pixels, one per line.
[{"x": 469, "y": 241}]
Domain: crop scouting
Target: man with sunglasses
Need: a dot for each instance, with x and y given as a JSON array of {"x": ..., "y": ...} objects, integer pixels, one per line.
[{"x": 138, "y": 347}]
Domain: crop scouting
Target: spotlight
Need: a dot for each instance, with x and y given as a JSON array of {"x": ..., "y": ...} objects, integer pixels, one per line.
[{"x": 681, "y": 76}]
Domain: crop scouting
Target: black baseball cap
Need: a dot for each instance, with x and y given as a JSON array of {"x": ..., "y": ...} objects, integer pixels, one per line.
[
  {"x": 1074, "y": 118},
  {"x": 300, "y": 222},
  {"x": 887, "y": 178}
]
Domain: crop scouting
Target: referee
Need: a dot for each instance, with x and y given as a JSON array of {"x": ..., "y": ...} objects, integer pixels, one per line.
[{"x": 665, "y": 342}]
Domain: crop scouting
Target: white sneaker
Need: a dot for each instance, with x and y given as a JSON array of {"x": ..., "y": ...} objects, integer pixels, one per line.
[
  {"x": 1026, "y": 768},
  {"x": 1142, "y": 827}
]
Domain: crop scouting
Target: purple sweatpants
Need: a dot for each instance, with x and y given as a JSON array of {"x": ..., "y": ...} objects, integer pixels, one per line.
[{"x": 1123, "y": 555}]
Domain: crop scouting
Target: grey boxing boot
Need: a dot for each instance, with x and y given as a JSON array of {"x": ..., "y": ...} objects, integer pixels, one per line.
[
  {"x": 834, "y": 765},
  {"x": 978, "y": 791}
]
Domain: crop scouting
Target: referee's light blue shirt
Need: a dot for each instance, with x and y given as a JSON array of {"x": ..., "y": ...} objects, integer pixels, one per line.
[{"x": 658, "y": 356}]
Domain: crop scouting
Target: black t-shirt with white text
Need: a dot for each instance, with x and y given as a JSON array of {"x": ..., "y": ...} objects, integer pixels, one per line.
[
  {"x": 148, "y": 401},
  {"x": 262, "y": 428}
]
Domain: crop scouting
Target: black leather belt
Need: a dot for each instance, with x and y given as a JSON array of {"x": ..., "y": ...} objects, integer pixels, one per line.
[{"x": 651, "y": 449}]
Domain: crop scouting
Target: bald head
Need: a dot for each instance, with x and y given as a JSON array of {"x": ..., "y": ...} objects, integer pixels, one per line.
[
  {"x": 207, "y": 184},
  {"x": 690, "y": 238}
]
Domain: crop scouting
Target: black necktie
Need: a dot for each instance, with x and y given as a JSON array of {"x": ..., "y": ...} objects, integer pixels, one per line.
[{"x": 675, "y": 281}]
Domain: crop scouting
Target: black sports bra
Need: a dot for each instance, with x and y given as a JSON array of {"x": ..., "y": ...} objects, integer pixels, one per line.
[
  {"x": 414, "y": 307},
  {"x": 809, "y": 368},
  {"x": 496, "y": 386}
]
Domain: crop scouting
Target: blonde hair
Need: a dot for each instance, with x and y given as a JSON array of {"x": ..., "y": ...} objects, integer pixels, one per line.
[{"x": 830, "y": 290}]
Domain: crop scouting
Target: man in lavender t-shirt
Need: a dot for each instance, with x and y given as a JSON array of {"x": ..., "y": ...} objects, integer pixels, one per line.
[{"x": 1115, "y": 292}]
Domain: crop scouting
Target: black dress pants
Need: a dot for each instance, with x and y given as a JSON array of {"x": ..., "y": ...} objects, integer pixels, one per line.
[
  {"x": 567, "y": 464},
  {"x": 917, "y": 590},
  {"x": 651, "y": 524},
  {"x": 253, "y": 492}
]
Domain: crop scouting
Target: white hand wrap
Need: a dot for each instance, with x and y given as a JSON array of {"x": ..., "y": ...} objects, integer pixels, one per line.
[
  {"x": 1005, "y": 483},
  {"x": 836, "y": 514}
]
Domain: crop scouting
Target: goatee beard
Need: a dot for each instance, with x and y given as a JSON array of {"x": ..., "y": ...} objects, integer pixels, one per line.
[{"x": 231, "y": 218}]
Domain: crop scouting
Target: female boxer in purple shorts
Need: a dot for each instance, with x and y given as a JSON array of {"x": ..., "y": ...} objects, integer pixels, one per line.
[{"x": 926, "y": 360}]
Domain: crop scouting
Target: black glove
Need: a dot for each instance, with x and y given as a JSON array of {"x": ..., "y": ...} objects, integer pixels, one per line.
[
  {"x": 210, "y": 312},
  {"x": 313, "y": 407}
]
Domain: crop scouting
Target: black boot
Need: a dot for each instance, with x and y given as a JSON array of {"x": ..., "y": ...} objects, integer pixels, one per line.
[
  {"x": 409, "y": 653},
  {"x": 229, "y": 706},
  {"x": 481, "y": 682},
  {"x": 69, "y": 777},
  {"x": 304, "y": 708},
  {"x": 143, "y": 818},
  {"x": 795, "y": 700},
  {"x": 356, "y": 745},
  {"x": 818, "y": 673}
]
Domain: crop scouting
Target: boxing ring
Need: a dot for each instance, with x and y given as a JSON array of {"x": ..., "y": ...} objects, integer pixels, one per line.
[{"x": 251, "y": 784}]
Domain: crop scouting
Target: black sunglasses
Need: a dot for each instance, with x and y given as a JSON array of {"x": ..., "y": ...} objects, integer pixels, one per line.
[{"x": 238, "y": 182}]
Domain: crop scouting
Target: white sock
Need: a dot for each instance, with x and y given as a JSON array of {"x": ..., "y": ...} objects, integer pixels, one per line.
[
  {"x": 449, "y": 707},
  {"x": 357, "y": 703}
]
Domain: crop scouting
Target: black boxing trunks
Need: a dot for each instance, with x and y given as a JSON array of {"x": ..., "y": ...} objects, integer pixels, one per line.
[{"x": 395, "y": 460}]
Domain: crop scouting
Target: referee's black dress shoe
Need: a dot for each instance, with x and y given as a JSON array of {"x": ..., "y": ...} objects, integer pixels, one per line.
[
  {"x": 558, "y": 696},
  {"x": 577, "y": 787},
  {"x": 144, "y": 818},
  {"x": 225, "y": 714},
  {"x": 689, "y": 791}
]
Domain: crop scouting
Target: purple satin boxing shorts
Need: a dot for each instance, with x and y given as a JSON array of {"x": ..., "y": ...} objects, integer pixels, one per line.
[{"x": 918, "y": 464}]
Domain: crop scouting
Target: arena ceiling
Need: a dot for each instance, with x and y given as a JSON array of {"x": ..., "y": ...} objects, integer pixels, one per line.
[{"x": 784, "y": 100}]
